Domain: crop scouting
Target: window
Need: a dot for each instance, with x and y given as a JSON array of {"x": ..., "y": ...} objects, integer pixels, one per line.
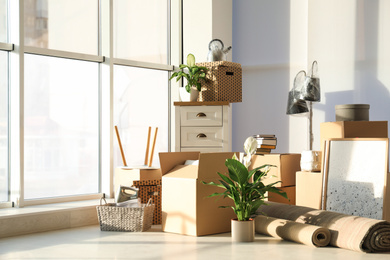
[
  {"x": 3, "y": 126},
  {"x": 141, "y": 100},
  {"x": 61, "y": 99},
  {"x": 66, "y": 25},
  {"x": 3, "y": 21},
  {"x": 4, "y": 178},
  {"x": 61, "y": 142},
  {"x": 141, "y": 30},
  {"x": 141, "y": 93},
  {"x": 63, "y": 94}
]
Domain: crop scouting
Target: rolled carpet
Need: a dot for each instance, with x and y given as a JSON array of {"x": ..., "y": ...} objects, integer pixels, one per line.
[
  {"x": 349, "y": 232},
  {"x": 290, "y": 230}
]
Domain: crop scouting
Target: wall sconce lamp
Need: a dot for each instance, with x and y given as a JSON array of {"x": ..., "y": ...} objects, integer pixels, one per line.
[{"x": 306, "y": 89}]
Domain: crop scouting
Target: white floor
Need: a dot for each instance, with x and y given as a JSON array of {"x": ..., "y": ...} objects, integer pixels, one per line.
[{"x": 91, "y": 243}]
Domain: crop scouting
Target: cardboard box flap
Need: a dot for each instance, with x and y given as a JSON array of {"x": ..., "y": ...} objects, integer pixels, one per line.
[
  {"x": 211, "y": 163},
  {"x": 169, "y": 160},
  {"x": 183, "y": 171}
]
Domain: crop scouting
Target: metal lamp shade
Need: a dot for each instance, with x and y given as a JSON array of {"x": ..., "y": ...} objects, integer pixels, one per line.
[
  {"x": 295, "y": 105},
  {"x": 310, "y": 90}
]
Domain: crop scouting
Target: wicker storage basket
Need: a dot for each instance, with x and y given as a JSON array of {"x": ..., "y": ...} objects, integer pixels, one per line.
[
  {"x": 224, "y": 82},
  {"x": 151, "y": 189},
  {"x": 112, "y": 218}
]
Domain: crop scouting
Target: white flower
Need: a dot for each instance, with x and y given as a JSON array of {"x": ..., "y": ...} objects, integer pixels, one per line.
[{"x": 250, "y": 145}]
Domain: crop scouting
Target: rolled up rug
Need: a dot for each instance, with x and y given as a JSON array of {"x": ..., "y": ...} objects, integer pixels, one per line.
[
  {"x": 290, "y": 230},
  {"x": 347, "y": 231}
]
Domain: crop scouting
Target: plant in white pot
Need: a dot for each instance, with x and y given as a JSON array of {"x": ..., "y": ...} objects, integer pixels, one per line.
[
  {"x": 193, "y": 74},
  {"x": 247, "y": 191}
]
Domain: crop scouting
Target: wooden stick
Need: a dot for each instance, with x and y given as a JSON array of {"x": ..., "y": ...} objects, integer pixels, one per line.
[
  {"x": 154, "y": 143},
  {"x": 120, "y": 146},
  {"x": 147, "y": 147}
]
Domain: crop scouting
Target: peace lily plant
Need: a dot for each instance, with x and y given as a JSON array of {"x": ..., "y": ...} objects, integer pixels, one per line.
[
  {"x": 243, "y": 186},
  {"x": 193, "y": 73}
]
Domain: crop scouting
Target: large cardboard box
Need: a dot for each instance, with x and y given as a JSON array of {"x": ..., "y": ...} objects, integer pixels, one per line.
[
  {"x": 286, "y": 166},
  {"x": 290, "y": 194},
  {"x": 352, "y": 129},
  {"x": 185, "y": 206},
  {"x": 309, "y": 189}
]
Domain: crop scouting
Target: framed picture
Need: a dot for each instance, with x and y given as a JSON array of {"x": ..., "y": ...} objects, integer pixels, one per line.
[{"x": 355, "y": 177}]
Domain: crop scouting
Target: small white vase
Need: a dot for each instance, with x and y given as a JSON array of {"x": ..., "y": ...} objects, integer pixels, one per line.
[
  {"x": 243, "y": 231},
  {"x": 194, "y": 94},
  {"x": 185, "y": 96}
]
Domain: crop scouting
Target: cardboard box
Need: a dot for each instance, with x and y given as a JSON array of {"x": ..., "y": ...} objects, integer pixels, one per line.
[
  {"x": 286, "y": 167},
  {"x": 352, "y": 129},
  {"x": 151, "y": 189},
  {"x": 224, "y": 82},
  {"x": 185, "y": 206},
  {"x": 309, "y": 189},
  {"x": 126, "y": 176},
  {"x": 290, "y": 194}
]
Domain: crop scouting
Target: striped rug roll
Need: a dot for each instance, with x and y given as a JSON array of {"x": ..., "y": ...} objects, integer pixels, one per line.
[{"x": 347, "y": 231}]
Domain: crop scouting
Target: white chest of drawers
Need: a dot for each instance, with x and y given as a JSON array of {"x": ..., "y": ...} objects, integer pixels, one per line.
[{"x": 203, "y": 126}]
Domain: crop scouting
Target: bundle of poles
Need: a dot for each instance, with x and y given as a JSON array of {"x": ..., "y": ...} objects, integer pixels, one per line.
[{"x": 148, "y": 156}]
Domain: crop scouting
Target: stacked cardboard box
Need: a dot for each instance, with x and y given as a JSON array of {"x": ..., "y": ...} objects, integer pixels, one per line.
[
  {"x": 151, "y": 189},
  {"x": 309, "y": 184},
  {"x": 286, "y": 167},
  {"x": 148, "y": 181}
]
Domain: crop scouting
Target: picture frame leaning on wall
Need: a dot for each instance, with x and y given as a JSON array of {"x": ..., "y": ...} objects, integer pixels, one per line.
[{"x": 355, "y": 177}]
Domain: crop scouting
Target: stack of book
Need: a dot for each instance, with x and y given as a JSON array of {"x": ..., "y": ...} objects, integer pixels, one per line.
[{"x": 265, "y": 143}]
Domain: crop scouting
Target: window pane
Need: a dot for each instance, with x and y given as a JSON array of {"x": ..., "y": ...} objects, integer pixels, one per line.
[
  {"x": 140, "y": 30},
  {"x": 61, "y": 127},
  {"x": 3, "y": 126},
  {"x": 3, "y": 21},
  {"x": 141, "y": 100},
  {"x": 67, "y": 25}
]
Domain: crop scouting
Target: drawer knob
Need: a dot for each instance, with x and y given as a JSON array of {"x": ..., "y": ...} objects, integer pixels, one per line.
[
  {"x": 201, "y": 136},
  {"x": 201, "y": 114}
]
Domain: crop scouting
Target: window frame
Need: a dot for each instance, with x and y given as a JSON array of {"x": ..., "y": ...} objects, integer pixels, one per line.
[{"x": 106, "y": 62}]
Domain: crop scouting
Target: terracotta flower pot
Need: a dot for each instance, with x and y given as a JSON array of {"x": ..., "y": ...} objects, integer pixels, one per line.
[{"x": 243, "y": 231}]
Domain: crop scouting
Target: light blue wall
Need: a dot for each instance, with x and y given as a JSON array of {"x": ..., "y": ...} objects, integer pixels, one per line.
[{"x": 273, "y": 40}]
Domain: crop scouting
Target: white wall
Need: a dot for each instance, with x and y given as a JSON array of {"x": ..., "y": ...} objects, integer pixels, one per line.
[{"x": 273, "y": 40}]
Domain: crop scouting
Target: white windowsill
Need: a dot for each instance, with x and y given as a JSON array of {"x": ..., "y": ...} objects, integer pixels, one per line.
[{"x": 40, "y": 218}]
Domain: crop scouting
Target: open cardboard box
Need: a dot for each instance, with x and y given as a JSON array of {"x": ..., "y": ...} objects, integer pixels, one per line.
[
  {"x": 280, "y": 199},
  {"x": 185, "y": 206},
  {"x": 287, "y": 164}
]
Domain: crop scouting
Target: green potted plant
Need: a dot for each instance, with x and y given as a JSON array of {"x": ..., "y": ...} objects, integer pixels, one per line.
[
  {"x": 247, "y": 191},
  {"x": 193, "y": 74}
]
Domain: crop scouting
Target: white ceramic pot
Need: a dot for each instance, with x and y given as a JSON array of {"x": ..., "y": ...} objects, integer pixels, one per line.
[
  {"x": 311, "y": 161},
  {"x": 243, "y": 231},
  {"x": 185, "y": 96}
]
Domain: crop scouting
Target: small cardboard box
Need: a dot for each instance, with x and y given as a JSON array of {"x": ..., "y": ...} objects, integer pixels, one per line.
[
  {"x": 278, "y": 198},
  {"x": 224, "y": 82},
  {"x": 309, "y": 189},
  {"x": 286, "y": 166},
  {"x": 352, "y": 129},
  {"x": 151, "y": 189},
  {"x": 185, "y": 206},
  {"x": 126, "y": 176}
]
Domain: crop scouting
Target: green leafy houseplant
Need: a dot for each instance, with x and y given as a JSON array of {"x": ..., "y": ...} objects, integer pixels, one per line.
[
  {"x": 247, "y": 195},
  {"x": 193, "y": 73}
]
